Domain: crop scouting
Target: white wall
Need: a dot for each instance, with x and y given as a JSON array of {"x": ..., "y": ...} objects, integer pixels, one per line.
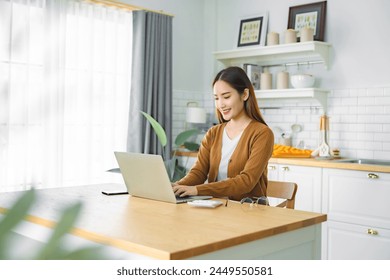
[
  {"x": 359, "y": 74},
  {"x": 188, "y": 39},
  {"x": 357, "y": 29}
]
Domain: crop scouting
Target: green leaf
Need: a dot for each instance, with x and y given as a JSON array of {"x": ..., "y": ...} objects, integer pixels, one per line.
[
  {"x": 17, "y": 213},
  {"x": 191, "y": 146},
  {"x": 185, "y": 135},
  {"x": 12, "y": 218},
  {"x": 51, "y": 249},
  {"x": 158, "y": 129}
]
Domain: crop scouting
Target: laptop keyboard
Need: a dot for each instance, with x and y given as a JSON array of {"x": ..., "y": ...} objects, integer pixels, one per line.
[{"x": 182, "y": 198}]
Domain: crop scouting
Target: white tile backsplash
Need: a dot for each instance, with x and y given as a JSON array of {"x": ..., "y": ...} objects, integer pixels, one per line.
[
  {"x": 386, "y": 127},
  {"x": 180, "y": 100},
  {"x": 359, "y": 119},
  {"x": 381, "y": 155},
  {"x": 364, "y": 101}
]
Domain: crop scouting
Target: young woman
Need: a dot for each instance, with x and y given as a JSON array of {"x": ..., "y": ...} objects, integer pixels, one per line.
[{"x": 233, "y": 157}]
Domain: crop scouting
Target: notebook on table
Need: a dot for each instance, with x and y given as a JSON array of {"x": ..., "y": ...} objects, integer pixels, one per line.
[{"x": 145, "y": 176}]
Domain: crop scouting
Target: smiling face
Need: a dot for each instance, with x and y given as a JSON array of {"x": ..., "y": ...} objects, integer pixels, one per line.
[{"x": 228, "y": 101}]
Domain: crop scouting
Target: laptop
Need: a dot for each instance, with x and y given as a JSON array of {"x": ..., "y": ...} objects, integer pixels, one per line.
[{"x": 145, "y": 176}]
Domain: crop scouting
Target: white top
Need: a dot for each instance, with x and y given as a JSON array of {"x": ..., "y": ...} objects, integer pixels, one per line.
[{"x": 228, "y": 147}]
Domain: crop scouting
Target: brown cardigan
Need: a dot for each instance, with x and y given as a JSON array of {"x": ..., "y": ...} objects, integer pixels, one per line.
[{"x": 247, "y": 170}]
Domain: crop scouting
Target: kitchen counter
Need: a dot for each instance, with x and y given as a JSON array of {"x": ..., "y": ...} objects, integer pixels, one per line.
[
  {"x": 325, "y": 163},
  {"x": 331, "y": 163}
]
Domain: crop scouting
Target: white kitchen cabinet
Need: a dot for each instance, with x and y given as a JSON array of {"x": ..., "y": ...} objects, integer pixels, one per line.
[
  {"x": 358, "y": 210},
  {"x": 347, "y": 241},
  {"x": 273, "y": 171},
  {"x": 308, "y": 179}
]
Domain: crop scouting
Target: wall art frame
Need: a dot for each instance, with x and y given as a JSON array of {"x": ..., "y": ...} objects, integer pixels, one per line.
[
  {"x": 309, "y": 15},
  {"x": 253, "y": 30}
]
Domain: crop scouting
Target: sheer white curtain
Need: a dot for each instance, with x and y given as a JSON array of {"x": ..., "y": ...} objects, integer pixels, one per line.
[{"x": 64, "y": 92}]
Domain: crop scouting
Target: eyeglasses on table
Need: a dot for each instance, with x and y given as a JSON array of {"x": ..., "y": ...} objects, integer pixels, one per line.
[{"x": 250, "y": 203}]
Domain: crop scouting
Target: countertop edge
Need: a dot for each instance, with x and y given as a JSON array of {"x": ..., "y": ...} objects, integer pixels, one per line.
[{"x": 313, "y": 162}]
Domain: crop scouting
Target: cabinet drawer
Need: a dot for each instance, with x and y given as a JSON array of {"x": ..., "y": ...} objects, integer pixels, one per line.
[
  {"x": 354, "y": 242},
  {"x": 356, "y": 197}
]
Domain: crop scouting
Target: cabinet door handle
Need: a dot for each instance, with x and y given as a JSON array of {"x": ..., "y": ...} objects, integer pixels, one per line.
[
  {"x": 372, "y": 176},
  {"x": 372, "y": 231},
  {"x": 272, "y": 167},
  {"x": 286, "y": 168}
]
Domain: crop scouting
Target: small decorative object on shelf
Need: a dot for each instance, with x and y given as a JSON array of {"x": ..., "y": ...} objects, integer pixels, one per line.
[
  {"x": 253, "y": 71},
  {"x": 290, "y": 36},
  {"x": 307, "y": 34},
  {"x": 282, "y": 80},
  {"x": 266, "y": 80},
  {"x": 302, "y": 80},
  {"x": 272, "y": 39}
]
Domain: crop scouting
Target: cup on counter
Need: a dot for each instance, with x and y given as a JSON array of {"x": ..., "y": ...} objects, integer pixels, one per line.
[
  {"x": 265, "y": 81},
  {"x": 290, "y": 36},
  {"x": 307, "y": 34},
  {"x": 272, "y": 38},
  {"x": 282, "y": 80}
]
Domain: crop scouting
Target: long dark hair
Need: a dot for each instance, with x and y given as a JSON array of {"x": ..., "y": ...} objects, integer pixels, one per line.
[{"x": 237, "y": 79}]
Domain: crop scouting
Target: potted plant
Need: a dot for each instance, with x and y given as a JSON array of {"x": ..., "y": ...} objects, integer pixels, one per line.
[{"x": 175, "y": 171}]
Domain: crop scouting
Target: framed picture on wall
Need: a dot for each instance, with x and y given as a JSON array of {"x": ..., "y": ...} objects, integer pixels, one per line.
[
  {"x": 253, "y": 30},
  {"x": 308, "y": 15}
]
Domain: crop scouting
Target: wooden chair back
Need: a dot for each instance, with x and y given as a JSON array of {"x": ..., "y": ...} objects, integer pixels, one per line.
[{"x": 283, "y": 190}]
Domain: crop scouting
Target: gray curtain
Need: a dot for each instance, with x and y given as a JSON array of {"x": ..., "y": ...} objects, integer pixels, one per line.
[{"x": 151, "y": 82}]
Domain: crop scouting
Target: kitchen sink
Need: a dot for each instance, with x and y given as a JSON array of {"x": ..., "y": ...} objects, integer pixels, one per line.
[{"x": 365, "y": 161}]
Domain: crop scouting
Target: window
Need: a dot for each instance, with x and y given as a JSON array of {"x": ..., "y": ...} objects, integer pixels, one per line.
[{"x": 64, "y": 92}]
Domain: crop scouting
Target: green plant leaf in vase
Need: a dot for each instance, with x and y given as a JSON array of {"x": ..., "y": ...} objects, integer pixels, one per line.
[
  {"x": 191, "y": 146},
  {"x": 158, "y": 129},
  {"x": 183, "y": 136}
]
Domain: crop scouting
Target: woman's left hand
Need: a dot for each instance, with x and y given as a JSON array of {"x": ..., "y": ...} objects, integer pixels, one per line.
[{"x": 181, "y": 190}]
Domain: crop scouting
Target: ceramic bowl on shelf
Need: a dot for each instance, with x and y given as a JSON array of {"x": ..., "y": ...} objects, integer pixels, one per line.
[{"x": 302, "y": 80}]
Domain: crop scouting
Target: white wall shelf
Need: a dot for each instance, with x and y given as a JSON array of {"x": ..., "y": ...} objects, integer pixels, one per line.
[
  {"x": 283, "y": 54},
  {"x": 306, "y": 52},
  {"x": 320, "y": 95}
]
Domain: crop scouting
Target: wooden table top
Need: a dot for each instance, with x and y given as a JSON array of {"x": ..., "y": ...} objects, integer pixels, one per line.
[{"x": 158, "y": 229}]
